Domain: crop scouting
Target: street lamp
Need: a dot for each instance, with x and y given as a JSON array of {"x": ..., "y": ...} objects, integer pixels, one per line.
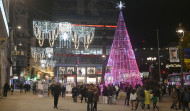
[
  {"x": 103, "y": 67},
  {"x": 180, "y": 33},
  {"x": 62, "y": 74}
]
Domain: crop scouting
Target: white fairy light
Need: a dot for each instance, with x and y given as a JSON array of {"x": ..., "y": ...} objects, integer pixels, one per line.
[
  {"x": 64, "y": 34},
  {"x": 41, "y": 53},
  {"x": 83, "y": 34},
  {"x": 45, "y": 30}
]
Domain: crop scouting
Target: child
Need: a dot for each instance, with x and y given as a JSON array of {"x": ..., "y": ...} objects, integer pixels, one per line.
[{"x": 155, "y": 100}]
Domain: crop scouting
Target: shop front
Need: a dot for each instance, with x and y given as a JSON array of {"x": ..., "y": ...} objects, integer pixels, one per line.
[{"x": 82, "y": 74}]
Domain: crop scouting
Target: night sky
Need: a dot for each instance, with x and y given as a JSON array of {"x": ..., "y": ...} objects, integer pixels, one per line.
[{"x": 144, "y": 17}]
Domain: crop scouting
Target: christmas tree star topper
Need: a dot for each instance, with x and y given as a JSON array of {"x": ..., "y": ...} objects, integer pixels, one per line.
[{"x": 120, "y": 5}]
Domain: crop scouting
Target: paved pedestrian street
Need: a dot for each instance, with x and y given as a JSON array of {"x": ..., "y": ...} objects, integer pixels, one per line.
[{"x": 30, "y": 102}]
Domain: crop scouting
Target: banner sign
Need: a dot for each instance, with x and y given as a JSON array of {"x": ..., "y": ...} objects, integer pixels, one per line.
[{"x": 174, "y": 55}]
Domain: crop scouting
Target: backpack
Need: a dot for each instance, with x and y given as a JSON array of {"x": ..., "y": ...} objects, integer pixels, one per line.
[
  {"x": 186, "y": 97},
  {"x": 141, "y": 93}
]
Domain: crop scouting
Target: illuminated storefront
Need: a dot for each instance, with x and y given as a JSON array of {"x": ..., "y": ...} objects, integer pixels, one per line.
[{"x": 85, "y": 74}]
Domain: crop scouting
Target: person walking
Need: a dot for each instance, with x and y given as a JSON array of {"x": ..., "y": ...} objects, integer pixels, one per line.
[
  {"x": 175, "y": 99},
  {"x": 105, "y": 94},
  {"x": 110, "y": 94},
  {"x": 96, "y": 96},
  {"x": 21, "y": 87},
  {"x": 51, "y": 88},
  {"x": 155, "y": 100},
  {"x": 184, "y": 99},
  {"x": 56, "y": 93},
  {"x": 83, "y": 93},
  {"x": 63, "y": 89},
  {"x": 117, "y": 90},
  {"x": 34, "y": 88},
  {"x": 133, "y": 98},
  {"x": 12, "y": 89},
  {"x": 90, "y": 96},
  {"x": 140, "y": 97},
  {"x": 128, "y": 92},
  {"x": 147, "y": 98},
  {"x": 74, "y": 93},
  {"x": 178, "y": 90},
  {"x": 114, "y": 95},
  {"x": 169, "y": 89},
  {"x": 6, "y": 88}
]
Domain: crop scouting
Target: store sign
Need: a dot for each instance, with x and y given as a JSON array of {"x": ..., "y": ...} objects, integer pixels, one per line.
[
  {"x": 70, "y": 70},
  {"x": 90, "y": 70},
  {"x": 172, "y": 65}
]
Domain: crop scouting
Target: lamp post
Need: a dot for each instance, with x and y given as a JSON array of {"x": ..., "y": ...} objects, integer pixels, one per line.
[
  {"x": 180, "y": 33},
  {"x": 103, "y": 67},
  {"x": 62, "y": 74},
  {"x": 76, "y": 65}
]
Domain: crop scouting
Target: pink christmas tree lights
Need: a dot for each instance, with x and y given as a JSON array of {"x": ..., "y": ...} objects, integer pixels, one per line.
[{"x": 122, "y": 62}]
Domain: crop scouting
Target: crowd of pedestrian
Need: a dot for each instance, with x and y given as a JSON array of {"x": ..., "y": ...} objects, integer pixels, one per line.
[{"x": 134, "y": 97}]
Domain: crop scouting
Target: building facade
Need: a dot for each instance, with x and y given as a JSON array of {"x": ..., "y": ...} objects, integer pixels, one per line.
[
  {"x": 85, "y": 12},
  {"x": 4, "y": 44},
  {"x": 21, "y": 41}
]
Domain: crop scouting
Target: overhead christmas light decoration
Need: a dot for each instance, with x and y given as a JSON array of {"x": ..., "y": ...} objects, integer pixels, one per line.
[
  {"x": 37, "y": 52},
  {"x": 45, "y": 64},
  {"x": 41, "y": 53},
  {"x": 45, "y": 30},
  {"x": 64, "y": 34},
  {"x": 49, "y": 52},
  {"x": 82, "y": 34}
]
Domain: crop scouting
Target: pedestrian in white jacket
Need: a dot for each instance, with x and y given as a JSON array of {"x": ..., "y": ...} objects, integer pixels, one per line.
[{"x": 133, "y": 98}]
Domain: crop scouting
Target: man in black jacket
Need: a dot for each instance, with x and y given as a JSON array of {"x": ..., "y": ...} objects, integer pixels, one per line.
[
  {"x": 83, "y": 93},
  {"x": 90, "y": 96},
  {"x": 63, "y": 89},
  {"x": 56, "y": 93},
  {"x": 6, "y": 88},
  {"x": 74, "y": 93}
]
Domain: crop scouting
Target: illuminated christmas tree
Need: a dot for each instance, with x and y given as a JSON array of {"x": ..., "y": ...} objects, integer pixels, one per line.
[{"x": 122, "y": 61}]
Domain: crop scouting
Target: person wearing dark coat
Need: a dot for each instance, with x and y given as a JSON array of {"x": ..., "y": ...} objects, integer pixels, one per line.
[
  {"x": 83, "y": 93},
  {"x": 74, "y": 93},
  {"x": 90, "y": 96},
  {"x": 128, "y": 92},
  {"x": 96, "y": 96},
  {"x": 184, "y": 100},
  {"x": 56, "y": 93},
  {"x": 110, "y": 94},
  {"x": 21, "y": 87},
  {"x": 63, "y": 89},
  {"x": 105, "y": 94},
  {"x": 51, "y": 88},
  {"x": 6, "y": 88},
  {"x": 34, "y": 88}
]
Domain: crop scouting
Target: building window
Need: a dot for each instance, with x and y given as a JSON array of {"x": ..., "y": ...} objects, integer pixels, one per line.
[
  {"x": 18, "y": 53},
  {"x": 22, "y": 53}
]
